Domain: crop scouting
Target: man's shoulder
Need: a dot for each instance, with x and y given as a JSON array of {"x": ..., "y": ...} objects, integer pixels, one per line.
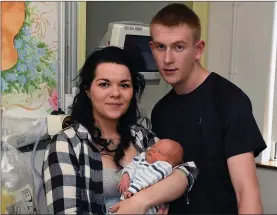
[
  {"x": 164, "y": 101},
  {"x": 225, "y": 85},
  {"x": 228, "y": 92}
]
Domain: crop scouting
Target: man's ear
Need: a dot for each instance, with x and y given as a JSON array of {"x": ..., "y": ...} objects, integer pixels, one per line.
[
  {"x": 200, "y": 45},
  {"x": 151, "y": 44}
]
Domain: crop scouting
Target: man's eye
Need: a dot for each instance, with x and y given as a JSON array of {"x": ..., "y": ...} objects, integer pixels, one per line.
[
  {"x": 179, "y": 48},
  {"x": 160, "y": 47}
]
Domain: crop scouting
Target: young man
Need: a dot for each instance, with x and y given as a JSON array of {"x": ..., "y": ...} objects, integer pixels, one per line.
[{"x": 211, "y": 117}]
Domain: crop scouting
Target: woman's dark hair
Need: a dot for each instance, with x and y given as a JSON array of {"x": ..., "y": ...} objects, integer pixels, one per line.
[{"x": 81, "y": 109}]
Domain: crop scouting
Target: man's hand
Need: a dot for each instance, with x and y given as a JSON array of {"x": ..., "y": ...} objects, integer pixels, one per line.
[{"x": 124, "y": 183}]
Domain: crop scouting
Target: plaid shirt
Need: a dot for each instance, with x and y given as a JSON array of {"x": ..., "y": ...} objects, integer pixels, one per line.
[{"x": 72, "y": 170}]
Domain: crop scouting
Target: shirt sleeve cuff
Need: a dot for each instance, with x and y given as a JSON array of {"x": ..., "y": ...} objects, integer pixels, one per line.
[{"x": 191, "y": 171}]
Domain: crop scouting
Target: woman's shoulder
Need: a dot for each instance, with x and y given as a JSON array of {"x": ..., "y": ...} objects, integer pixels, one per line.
[
  {"x": 139, "y": 129},
  {"x": 75, "y": 130},
  {"x": 142, "y": 125},
  {"x": 72, "y": 136},
  {"x": 66, "y": 133},
  {"x": 143, "y": 135}
]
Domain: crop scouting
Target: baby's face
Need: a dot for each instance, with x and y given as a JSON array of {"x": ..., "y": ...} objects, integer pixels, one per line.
[{"x": 158, "y": 152}]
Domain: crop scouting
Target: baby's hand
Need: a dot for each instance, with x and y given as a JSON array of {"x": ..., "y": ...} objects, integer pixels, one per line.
[
  {"x": 124, "y": 183},
  {"x": 127, "y": 194}
]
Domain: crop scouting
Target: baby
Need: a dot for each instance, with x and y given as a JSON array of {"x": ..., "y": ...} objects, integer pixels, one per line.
[{"x": 150, "y": 167}]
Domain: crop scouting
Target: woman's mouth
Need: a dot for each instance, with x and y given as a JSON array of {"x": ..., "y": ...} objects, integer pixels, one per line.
[{"x": 114, "y": 104}]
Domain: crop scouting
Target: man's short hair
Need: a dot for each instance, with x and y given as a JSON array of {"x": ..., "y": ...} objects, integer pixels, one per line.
[{"x": 178, "y": 14}]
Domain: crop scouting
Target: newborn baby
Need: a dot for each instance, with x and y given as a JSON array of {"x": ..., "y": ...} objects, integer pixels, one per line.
[{"x": 150, "y": 167}]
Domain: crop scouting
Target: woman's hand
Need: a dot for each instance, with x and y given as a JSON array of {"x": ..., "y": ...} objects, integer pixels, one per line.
[
  {"x": 163, "y": 210},
  {"x": 127, "y": 194},
  {"x": 124, "y": 183},
  {"x": 163, "y": 191},
  {"x": 133, "y": 205}
]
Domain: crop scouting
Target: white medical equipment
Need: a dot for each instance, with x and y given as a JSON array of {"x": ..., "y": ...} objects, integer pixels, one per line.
[
  {"x": 134, "y": 37},
  {"x": 56, "y": 123}
]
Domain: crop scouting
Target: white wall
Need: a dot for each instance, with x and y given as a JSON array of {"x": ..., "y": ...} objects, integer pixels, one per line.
[
  {"x": 274, "y": 125},
  {"x": 219, "y": 38},
  {"x": 267, "y": 181},
  {"x": 251, "y": 66}
]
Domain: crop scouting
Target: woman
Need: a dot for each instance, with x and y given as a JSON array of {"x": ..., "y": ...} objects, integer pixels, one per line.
[{"x": 82, "y": 164}]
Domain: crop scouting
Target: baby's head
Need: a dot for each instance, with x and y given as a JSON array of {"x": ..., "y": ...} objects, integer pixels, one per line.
[{"x": 165, "y": 150}]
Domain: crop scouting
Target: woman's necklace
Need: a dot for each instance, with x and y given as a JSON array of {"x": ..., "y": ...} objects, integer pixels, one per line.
[{"x": 105, "y": 143}]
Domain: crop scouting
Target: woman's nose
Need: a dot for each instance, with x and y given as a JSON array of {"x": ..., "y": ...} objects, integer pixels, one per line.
[{"x": 115, "y": 91}]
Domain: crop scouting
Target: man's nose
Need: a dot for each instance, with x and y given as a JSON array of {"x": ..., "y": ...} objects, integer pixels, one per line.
[{"x": 168, "y": 57}]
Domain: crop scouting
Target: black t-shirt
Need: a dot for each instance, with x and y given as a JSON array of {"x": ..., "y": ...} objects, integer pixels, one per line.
[{"x": 211, "y": 130}]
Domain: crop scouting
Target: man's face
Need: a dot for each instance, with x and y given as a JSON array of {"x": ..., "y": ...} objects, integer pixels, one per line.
[{"x": 175, "y": 52}]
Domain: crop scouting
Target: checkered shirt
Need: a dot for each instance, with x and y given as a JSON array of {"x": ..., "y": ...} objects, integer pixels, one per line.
[{"x": 72, "y": 170}]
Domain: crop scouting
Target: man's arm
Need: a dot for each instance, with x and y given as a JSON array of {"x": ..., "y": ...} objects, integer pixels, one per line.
[
  {"x": 243, "y": 141},
  {"x": 242, "y": 170},
  {"x": 171, "y": 188}
]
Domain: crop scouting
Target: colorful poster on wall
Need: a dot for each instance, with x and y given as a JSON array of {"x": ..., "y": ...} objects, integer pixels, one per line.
[{"x": 29, "y": 32}]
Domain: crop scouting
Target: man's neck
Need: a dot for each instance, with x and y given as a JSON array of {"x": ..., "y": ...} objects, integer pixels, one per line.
[{"x": 197, "y": 76}]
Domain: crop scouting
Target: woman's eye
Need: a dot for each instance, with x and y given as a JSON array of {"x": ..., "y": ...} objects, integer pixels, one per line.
[
  {"x": 103, "y": 85},
  {"x": 125, "y": 85}
]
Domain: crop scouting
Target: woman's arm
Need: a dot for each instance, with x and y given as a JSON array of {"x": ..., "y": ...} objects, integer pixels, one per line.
[
  {"x": 166, "y": 190},
  {"x": 61, "y": 178}
]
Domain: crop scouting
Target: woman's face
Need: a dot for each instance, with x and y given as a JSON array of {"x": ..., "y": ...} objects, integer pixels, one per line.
[{"x": 111, "y": 91}]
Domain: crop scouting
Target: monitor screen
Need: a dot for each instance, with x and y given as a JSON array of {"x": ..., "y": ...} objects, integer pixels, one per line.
[{"x": 140, "y": 45}]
